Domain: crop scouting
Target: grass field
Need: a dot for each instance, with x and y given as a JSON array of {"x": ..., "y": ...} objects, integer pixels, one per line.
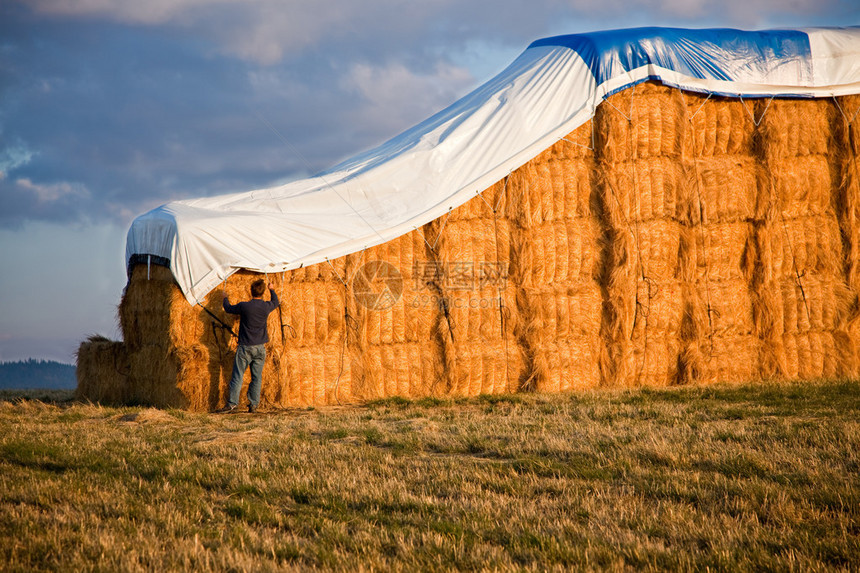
[{"x": 756, "y": 477}]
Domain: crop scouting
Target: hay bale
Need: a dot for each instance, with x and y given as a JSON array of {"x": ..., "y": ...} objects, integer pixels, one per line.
[
  {"x": 720, "y": 251},
  {"x": 729, "y": 358},
  {"x": 645, "y": 189},
  {"x": 643, "y": 122},
  {"x": 102, "y": 371},
  {"x": 725, "y": 189},
  {"x": 794, "y": 127},
  {"x": 718, "y": 126}
]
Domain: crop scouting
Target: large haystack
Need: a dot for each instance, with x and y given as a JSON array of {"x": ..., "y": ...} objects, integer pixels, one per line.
[{"x": 673, "y": 239}]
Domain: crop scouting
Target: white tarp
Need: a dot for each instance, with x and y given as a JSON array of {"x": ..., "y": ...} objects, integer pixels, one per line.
[{"x": 548, "y": 91}]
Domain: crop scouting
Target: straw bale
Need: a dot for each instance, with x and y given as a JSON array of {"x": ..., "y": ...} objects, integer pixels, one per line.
[
  {"x": 560, "y": 252},
  {"x": 466, "y": 243},
  {"x": 811, "y": 355},
  {"x": 493, "y": 198},
  {"x": 794, "y": 127},
  {"x": 845, "y": 116},
  {"x": 102, "y": 371},
  {"x": 647, "y": 121},
  {"x": 718, "y": 126},
  {"x": 652, "y": 249},
  {"x": 656, "y": 188},
  {"x": 728, "y": 308},
  {"x": 309, "y": 376},
  {"x": 725, "y": 189},
  {"x": 650, "y": 359},
  {"x": 405, "y": 327},
  {"x": 720, "y": 250},
  {"x": 811, "y": 303},
  {"x": 324, "y": 271},
  {"x": 145, "y": 311},
  {"x": 803, "y": 187},
  {"x": 651, "y": 312},
  {"x": 659, "y": 307},
  {"x": 491, "y": 367},
  {"x": 567, "y": 364},
  {"x": 403, "y": 369},
  {"x": 729, "y": 358},
  {"x": 800, "y": 245},
  {"x": 666, "y": 245},
  {"x": 563, "y": 312},
  {"x": 564, "y": 336},
  {"x": 554, "y": 189},
  {"x": 314, "y": 309}
]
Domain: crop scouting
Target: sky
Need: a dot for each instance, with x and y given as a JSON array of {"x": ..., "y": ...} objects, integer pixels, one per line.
[{"x": 109, "y": 108}]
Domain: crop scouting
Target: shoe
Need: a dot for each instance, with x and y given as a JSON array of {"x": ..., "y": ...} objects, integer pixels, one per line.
[
  {"x": 225, "y": 410},
  {"x": 252, "y": 409}
]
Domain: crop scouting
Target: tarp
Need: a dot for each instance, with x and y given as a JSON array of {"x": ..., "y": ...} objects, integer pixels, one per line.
[{"x": 552, "y": 88}]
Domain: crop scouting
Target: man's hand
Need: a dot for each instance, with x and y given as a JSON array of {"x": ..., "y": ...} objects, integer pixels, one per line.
[
  {"x": 223, "y": 294},
  {"x": 271, "y": 286}
]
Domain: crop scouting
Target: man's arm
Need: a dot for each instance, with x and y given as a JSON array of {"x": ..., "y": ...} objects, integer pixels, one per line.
[
  {"x": 230, "y": 308},
  {"x": 275, "y": 302}
]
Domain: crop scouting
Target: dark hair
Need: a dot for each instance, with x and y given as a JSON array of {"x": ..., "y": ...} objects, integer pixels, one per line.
[{"x": 258, "y": 287}]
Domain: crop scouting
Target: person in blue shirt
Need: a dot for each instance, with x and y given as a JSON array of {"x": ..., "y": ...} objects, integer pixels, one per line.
[{"x": 253, "y": 336}]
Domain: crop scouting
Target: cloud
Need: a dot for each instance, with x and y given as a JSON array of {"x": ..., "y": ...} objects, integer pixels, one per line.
[
  {"x": 14, "y": 156},
  {"x": 52, "y": 192},
  {"x": 25, "y": 200},
  {"x": 392, "y": 95},
  {"x": 111, "y": 107},
  {"x": 267, "y": 31}
]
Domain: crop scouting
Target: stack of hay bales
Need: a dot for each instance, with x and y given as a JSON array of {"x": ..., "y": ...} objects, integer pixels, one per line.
[
  {"x": 556, "y": 262},
  {"x": 396, "y": 341},
  {"x": 644, "y": 189},
  {"x": 309, "y": 362},
  {"x": 806, "y": 297},
  {"x": 103, "y": 371},
  {"x": 166, "y": 342},
  {"x": 721, "y": 339},
  {"x": 471, "y": 248},
  {"x": 844, "y": 156},
  {"x": 683, "y": 239}
]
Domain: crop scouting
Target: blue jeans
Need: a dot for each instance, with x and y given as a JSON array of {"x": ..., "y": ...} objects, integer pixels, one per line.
[{"x": 256, "y": 357}]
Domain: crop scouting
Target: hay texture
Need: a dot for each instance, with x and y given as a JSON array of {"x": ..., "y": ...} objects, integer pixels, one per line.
[{"x": 674, "y": 239}]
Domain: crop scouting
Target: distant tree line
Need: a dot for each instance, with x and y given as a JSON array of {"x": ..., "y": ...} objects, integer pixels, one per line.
[{"x": 31, "y": 374}]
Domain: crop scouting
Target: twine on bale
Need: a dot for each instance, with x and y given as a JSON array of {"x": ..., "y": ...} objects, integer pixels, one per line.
[
  {"x": 502, "y": 308},
  {"x": 752, "y": 117},
  {"x": 346, "y": 319},
  {"x": 701, "y": 209}
]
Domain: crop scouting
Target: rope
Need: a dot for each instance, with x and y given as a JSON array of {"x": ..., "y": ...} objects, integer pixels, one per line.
[
  {"x": 709, "y": 308},
  {"x": 797, "y": 274},
  {"x": 844, "y": 116},
  {"x": 502, "y": 321},
  {"x": 438, "y": 235},
  {"x": 223, "y": 324},
  {"x": 752, "y": 117},
  {"x": 349, "y": 323},
  {"x": 592, "y": 137}
]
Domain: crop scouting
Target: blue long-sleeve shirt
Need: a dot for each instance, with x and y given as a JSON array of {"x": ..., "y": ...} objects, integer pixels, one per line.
[{"x": 253, "y": 317}]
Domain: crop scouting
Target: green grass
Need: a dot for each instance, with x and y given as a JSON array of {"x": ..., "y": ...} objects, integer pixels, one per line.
[{"x": 756, "y": 477}]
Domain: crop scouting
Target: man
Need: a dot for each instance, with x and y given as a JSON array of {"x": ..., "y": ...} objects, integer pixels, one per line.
[{"x": 253, "y": 336}]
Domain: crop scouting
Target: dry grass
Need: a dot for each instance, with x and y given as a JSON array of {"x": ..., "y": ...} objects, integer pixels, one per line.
[{"x": 727, "y": 477}]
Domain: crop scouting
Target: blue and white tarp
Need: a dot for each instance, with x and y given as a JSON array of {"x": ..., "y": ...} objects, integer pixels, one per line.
[{"x": 552, "y": 88}]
